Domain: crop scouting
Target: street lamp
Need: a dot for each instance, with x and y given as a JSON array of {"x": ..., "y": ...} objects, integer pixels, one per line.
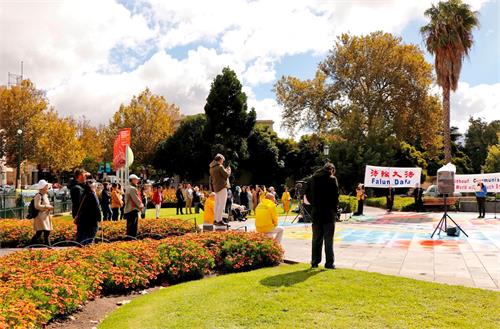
[
  {"x": 326, "y": 150},
  {"x": 20, "y": 145}
]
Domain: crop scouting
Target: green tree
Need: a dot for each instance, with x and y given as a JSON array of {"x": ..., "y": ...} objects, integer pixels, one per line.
[
  {"x": 185, "y": 153},
  {"x": 374, "y": 82},
  {"x": 492, "y": 163},
  {"x": 151, "y": 118},
  {"x": 479, "y": 137},
  {"x": 229, "y": 123},
  {"x": 448, "y": 36},
  {"x": 264, "y": 162}
]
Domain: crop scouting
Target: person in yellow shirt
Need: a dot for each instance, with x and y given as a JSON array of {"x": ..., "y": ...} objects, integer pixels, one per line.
[
  {"x": 285, "y": 198},
  {"x": 209, "y": 210},
  {"x": 360, "y": 196},
  {"x": 266, "y": 218}
]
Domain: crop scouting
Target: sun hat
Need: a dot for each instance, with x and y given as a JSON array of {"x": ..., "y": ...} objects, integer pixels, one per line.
[{"x": 41, "y": 184}]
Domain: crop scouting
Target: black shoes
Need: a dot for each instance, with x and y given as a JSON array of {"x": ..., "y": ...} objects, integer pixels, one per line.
[{"x": 330, "y": 267}]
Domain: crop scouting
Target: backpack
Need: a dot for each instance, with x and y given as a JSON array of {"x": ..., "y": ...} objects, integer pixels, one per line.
[{"x": 32, "y": 211}]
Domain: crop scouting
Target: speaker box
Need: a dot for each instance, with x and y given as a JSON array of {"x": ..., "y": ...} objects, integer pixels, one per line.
[{"x": 446, "y": 182}]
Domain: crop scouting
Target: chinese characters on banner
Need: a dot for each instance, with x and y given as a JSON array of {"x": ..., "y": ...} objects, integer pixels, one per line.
[
  {"x": 120, "y": 147},
  {"x": 468, "y": 183},
  {"x": 391, "y": 176}
]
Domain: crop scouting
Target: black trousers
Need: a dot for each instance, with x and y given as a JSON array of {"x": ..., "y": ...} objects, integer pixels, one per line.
[
  {"x": 116, "y": 213},
  {"x": 419, "y": 205},
  {"x": 360, "y": 207},
  {"x": 37, "y": 236},
  {"x": 481, "y": 206},
  {"x": 132, "y": 222},
  {"x": 323, "y": 229},
  {"x": 180, "y": 206},
  {"x": 106, "y": 212},
  {"x": 84, "y": 235}
]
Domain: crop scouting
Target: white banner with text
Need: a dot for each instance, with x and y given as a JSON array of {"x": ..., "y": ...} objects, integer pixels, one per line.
[
  {"x": 468, "y": 183},
  {"x": 392, "y": 176}
]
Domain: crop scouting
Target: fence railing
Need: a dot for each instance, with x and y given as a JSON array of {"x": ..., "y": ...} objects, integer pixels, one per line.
[{"x": 15, "y": 204}]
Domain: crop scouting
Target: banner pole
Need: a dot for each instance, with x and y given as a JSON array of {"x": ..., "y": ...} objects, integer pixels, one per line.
[{"x": 126, "y": 164}]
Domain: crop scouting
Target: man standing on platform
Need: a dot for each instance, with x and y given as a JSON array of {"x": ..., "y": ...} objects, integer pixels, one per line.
[
  {"x": 219, "y": 183},
  {"x": 323, "y": 193}
]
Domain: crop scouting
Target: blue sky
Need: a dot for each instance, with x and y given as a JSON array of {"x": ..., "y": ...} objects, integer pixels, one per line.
[{"x": 91, "y": 56}]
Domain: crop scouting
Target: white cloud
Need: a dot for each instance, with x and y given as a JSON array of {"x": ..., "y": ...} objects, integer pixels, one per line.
[
  {"x": 481, "y": 101},
  {"x": 67, "y": 47}
]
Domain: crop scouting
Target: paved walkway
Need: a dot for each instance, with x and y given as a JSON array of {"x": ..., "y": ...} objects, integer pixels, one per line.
[{"x": 400, "y": 244}]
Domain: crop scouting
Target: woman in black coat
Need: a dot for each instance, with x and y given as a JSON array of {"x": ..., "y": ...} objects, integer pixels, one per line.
[{"x": 88, "y": 215}]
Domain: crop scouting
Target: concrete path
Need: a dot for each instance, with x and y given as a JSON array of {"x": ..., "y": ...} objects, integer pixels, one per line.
[{"x": 400, "y": 244}]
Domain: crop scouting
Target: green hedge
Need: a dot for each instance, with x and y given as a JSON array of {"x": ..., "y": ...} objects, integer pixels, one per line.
[
  {"x": 400, "y": 203},
  {"x": 348, "y": 203}
]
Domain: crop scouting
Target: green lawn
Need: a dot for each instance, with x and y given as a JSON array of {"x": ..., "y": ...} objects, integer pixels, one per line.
[{"x": 297, "y": 297}]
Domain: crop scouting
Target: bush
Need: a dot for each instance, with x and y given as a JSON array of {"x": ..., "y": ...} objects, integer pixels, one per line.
[
  {"x": 348, "y": 203},
  {"x": 400, "y": 203},
  {"x": 39, "y": 285},
  {"x": 18, "y": 233},
  {"x": 236, "y": 252}
]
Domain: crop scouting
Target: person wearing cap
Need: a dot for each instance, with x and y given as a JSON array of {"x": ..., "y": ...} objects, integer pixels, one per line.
[
  {"x": 133, "y": 205},
  {"x": 42, "y": 223},
  {"x": 266, "y": 218},
  {"x": 322, "y": 192},
  {"x": 219, "y": 183}
]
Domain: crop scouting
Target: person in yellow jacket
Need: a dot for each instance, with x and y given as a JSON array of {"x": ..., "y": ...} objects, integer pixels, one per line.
[
  {"x": 360, "y": 196},
  {"x": 116, "y": 201},
  {"x": 266, "y": 218},
  {"x": 285, "y": 198},
  {"x": 209, "y": 210}
]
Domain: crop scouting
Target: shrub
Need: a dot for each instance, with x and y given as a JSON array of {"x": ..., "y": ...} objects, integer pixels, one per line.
[
  {"x": 348, "y": 203},
  {"x": 38, "y": 285},
  {"x": 400, "y": 203},
  {"x": 237, "y": 251},
  {"x": 18, "y": 233}
]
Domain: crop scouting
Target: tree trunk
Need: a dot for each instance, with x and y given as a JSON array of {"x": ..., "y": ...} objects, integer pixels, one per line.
[{"x": 446, "y": 125}]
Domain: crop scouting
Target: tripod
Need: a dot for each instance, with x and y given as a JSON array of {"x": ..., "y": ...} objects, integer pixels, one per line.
[
  {"x": 443, "y": 221},
  {"x": 302, "y": 209}
]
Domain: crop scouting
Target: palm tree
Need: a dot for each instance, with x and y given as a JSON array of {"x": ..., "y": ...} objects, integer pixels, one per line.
[{"x": 448, "y": 36}]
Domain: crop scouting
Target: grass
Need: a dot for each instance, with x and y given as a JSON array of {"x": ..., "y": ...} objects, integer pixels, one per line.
[
  {"x": 297, "y": 297},
  {"x": 171, "y": 213}
]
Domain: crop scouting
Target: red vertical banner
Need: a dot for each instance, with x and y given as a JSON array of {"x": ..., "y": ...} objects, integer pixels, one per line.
[{"x": 120, "y": 147}]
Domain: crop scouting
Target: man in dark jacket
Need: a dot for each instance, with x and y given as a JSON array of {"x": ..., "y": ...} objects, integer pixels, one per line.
[
  {"x": 89, "y": 215},
  {"x": 76, "y": 190},
  {"x": 106, "y": 202},
  {"x": 323, "y": 194}
]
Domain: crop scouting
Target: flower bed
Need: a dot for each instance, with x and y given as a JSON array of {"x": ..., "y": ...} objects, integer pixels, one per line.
[
  {"x": 39, "y": 285},
  {"x": 17, "y": 233}
]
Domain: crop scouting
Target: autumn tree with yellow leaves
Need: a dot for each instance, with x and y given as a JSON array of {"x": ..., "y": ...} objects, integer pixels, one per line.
[{"x": 151, "y": 118}]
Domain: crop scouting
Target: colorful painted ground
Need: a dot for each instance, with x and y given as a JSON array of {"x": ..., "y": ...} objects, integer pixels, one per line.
[{"x": 400, "y": 244}]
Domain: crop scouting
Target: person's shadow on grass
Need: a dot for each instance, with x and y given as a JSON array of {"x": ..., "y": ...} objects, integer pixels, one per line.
[{"x": 289, "y": 279}]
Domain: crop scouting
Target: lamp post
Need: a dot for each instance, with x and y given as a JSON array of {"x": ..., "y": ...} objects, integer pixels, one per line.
[
  {"x": 326, "y": 151},
  {"x": 20, "y": 145}
]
